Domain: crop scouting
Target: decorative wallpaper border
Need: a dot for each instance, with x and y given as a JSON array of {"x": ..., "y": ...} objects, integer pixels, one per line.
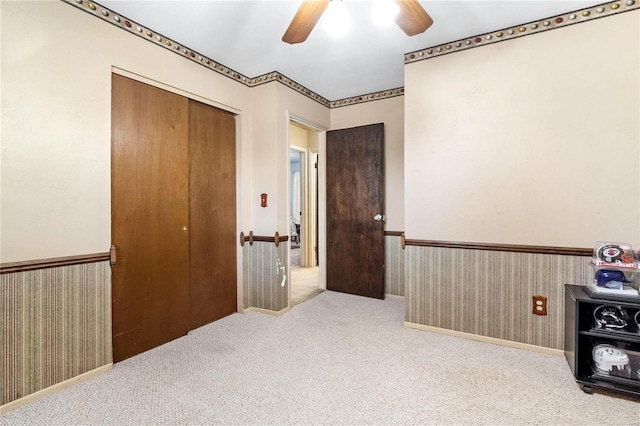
[
  {"x": 281, "y": 78},
  {"x": 488, "y": 293},
  {"x": 534, "y": 27},
  {"x": 376, "y": 96},
  {"x": 56, "y": 326},
  {"x": 158, "y": 39},
  {"x": 148, "y": 34}
]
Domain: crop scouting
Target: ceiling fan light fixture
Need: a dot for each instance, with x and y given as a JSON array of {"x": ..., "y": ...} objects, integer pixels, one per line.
[
  {"x": 384, "y": 12},
  {"x": 336, "y": 19}
]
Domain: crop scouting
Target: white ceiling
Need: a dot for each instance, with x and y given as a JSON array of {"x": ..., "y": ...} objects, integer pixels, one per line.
[{"x": 246, "y": 36}]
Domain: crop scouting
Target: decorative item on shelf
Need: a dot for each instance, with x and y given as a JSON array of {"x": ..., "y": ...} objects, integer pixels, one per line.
[
  {"x": 611, "y": 360},
  {"x": 617, "y": 272},
  {"x": 610, "y": 317},
  {"x": 619, "y": 255},
  {"x": 611, "y": 278}
]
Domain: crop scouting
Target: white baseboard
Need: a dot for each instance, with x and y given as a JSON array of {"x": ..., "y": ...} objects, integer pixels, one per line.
[
  {"x": 55, "y": 388},
  {"x": 393, "y": 296},
  {"x": 486, "y": 339},
  {"x": 267, "y": 311}
]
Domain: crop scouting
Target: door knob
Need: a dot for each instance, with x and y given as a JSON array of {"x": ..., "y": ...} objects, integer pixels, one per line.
[
  {"x": 184, "y": 228},
  {"x": 378, "y": 217}
]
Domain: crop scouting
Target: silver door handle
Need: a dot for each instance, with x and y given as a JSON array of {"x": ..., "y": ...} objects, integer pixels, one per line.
[{"x": 378, "y": 217}]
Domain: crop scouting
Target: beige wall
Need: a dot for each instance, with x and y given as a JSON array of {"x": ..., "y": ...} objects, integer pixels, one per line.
[
  {"x": 290, "y": 105},
  {"x": 530, "y": 141},
  {"x": 265, "y": 156},
  {"x": 56, "y": 70},
  {"x": 391, "y": 113},
  {"x": 56, "y": 105},
  {"x": 298, "y": 136}
]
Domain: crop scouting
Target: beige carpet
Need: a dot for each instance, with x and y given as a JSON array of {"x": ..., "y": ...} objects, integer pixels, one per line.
[{"x": 335, "y": 359}]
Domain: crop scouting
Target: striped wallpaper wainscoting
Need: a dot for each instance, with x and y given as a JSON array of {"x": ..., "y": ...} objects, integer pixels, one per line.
[
  {"x": 262, "y": 275},
  {"x": 56, "y": 325},
  {"x": 393, "y": 264},
  {"x": 489, "y": 293}
]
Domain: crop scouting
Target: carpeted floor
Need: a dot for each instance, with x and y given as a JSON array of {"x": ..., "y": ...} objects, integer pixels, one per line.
[{"x": 335, "y": 359}]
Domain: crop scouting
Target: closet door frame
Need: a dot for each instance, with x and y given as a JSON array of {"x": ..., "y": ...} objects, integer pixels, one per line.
[
  {"x": 239, "y": 192},
  {"x": 238, "y": 161}
]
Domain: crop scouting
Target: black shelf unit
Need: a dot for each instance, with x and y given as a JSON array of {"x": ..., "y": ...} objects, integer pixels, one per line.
[{"x": 582, "y": 334}]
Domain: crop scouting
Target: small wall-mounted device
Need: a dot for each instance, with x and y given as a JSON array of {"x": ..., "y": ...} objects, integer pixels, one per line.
[
  {"x": 263, "y": 200},
  {"x": 539, "y": 305}
]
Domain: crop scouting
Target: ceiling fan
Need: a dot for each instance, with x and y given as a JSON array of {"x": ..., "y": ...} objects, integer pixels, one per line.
[{"x": 412, "y": 19}]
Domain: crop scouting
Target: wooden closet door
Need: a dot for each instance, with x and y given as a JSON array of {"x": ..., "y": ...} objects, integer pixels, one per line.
[
  {"x": 149, "y": 216},
  {"x": 212, "y": 214}
]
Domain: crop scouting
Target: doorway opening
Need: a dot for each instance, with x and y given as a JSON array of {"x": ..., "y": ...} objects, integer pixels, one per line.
[{"x": 303, "y": 213}]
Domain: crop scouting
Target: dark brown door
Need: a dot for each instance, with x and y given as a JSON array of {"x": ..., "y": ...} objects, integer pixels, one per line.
[
  {"x": 149, "y": 216},
  {"x": 212, "y": 209},
  {"x": 355, "y": 195}
]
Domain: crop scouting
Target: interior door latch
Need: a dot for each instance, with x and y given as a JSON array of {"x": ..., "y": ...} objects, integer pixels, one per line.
[
  {"x": 112, "y": 256},
  {"x": 379, "y": 217}
]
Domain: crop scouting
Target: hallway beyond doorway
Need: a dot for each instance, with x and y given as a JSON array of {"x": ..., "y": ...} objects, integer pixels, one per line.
[{"x": 304, "y": 284}]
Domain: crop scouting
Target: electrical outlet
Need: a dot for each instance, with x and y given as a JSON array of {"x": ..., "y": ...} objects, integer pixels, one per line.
[{"x": 539, "y": 305}]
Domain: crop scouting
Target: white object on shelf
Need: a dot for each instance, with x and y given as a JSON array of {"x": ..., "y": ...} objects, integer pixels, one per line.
[
  {"x": 607, "y": 356},
  {"x": 625, "y": 291}
]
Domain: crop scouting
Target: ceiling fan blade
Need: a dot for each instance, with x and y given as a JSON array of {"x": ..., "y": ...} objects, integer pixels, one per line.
[
  {"x": 412, "y": 19},
  {"x": 306, "y": 18}
]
